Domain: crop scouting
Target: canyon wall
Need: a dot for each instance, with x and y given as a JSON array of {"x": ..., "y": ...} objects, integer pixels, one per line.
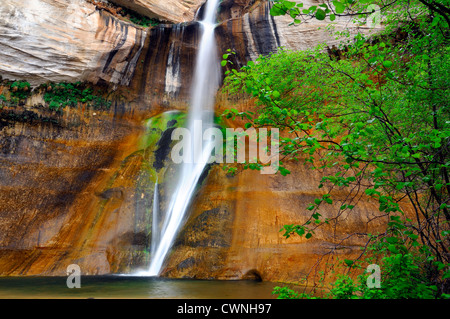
[
  {"x": 62, "y": 40},
  {"x": 77, "y": 186},
  {"x": 245, "y": 27},
  {"x": 176, "y": 11},
  {"x": 234, "y": 226}
]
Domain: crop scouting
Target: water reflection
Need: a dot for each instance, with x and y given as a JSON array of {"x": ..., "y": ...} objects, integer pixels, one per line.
[{"x": 133, "y": 287}]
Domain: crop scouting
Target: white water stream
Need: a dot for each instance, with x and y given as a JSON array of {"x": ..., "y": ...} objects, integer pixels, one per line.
[{"x": 205, "y": 84}]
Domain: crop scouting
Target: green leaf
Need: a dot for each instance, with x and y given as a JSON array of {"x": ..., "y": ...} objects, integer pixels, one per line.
[
  {"x": 283, "y": 171},
  {"x": 277, "y": 10},
  {"x": 387, "y": 64},
  {"x": 276, "y": 94},
  {"x": 348, "y": 262},
  {"x": 392, "y": 240},
  {"x": 320, "y": 14},
  {"x": 340, "y": 7},
  {"x": 300, "y": 231},
  {"x": 289, "y": 4},
  {"x": 332, "y": 17},
  {"x": 294, "y": 13},
  {"x": 393, "y": 249},
  {"x": 223, "y": 63}
]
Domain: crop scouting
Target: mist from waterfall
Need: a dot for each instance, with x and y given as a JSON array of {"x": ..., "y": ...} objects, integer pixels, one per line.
[{"x": 205, "y": 84}]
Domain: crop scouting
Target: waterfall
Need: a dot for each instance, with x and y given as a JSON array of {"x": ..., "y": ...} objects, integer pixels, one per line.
[
  {"x": 205, "y": 84},
  {"x": 155, "y": 221}
]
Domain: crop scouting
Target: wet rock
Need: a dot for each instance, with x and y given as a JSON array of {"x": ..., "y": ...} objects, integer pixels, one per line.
[
  {"x": 112, "y": 193},
  {"x": 252, "y": 274},
  {"x": 164, "y": 148},
  {"x": 207, "y": 230},
  {"x": 246, "y": 27},
  {"x": 187, "y": 263}
]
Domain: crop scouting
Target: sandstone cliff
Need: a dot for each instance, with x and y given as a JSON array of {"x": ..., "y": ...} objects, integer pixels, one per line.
[
  {"x": 246, "y": 27},
  {"x": 176, "y": 11},
  {"x": 62, "y": 40},
  {"x": 77, "y": 186}
]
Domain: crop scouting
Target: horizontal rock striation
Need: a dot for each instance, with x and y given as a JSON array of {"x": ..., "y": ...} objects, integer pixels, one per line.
[
  {"x": 247, "y": 28},
  {"x": 77, "y": 188},
  {"x": 55, "y": 180},
  {"x": 62, "y": 40},
  {"x": 176, "y": 11}
]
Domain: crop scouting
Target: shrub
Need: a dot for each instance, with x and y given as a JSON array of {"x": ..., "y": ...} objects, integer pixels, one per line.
[
  {"x": 63, "y": 94},
  {"x": 20, "y": 90}
]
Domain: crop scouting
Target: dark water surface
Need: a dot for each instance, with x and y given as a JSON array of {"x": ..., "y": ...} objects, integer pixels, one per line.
[{"x": 132, "y": 287}]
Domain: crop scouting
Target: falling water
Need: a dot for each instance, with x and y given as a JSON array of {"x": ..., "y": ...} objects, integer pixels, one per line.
[
  {"x": 155, "y": 222},
  {"x": 205, "y": 85}
]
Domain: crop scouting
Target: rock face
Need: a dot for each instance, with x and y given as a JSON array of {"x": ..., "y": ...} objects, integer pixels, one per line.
[
  {"x": 233, "y": 231},
  {"x": 56, "y": 180},
  {"x": 77, "y": 187},
  {"x": 257, "y": 32},
  {"x": 176, "y": 11},
  {"x": 64, "y": 40},
  {"x": 246, "y": 27}
]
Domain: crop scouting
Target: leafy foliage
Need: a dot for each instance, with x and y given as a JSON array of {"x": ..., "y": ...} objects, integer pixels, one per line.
[
  {"x": 377, "y": 117},
  {"x": 56, "y": 95},
  {"x": 143, "y": 20},
  {"x": 362, "y": 10},
  {"x": 404, "y": 276},
  {"x": 137, "y": 18},
  {"x": 61, "y": 95},
  {"x": 288, "y": 293},
  {"x": 20, "y": 90},
  {"x": 125, "y": 13}
]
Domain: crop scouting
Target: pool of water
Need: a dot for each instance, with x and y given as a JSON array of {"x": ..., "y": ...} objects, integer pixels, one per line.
[{"x": 132, "y": 287}]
